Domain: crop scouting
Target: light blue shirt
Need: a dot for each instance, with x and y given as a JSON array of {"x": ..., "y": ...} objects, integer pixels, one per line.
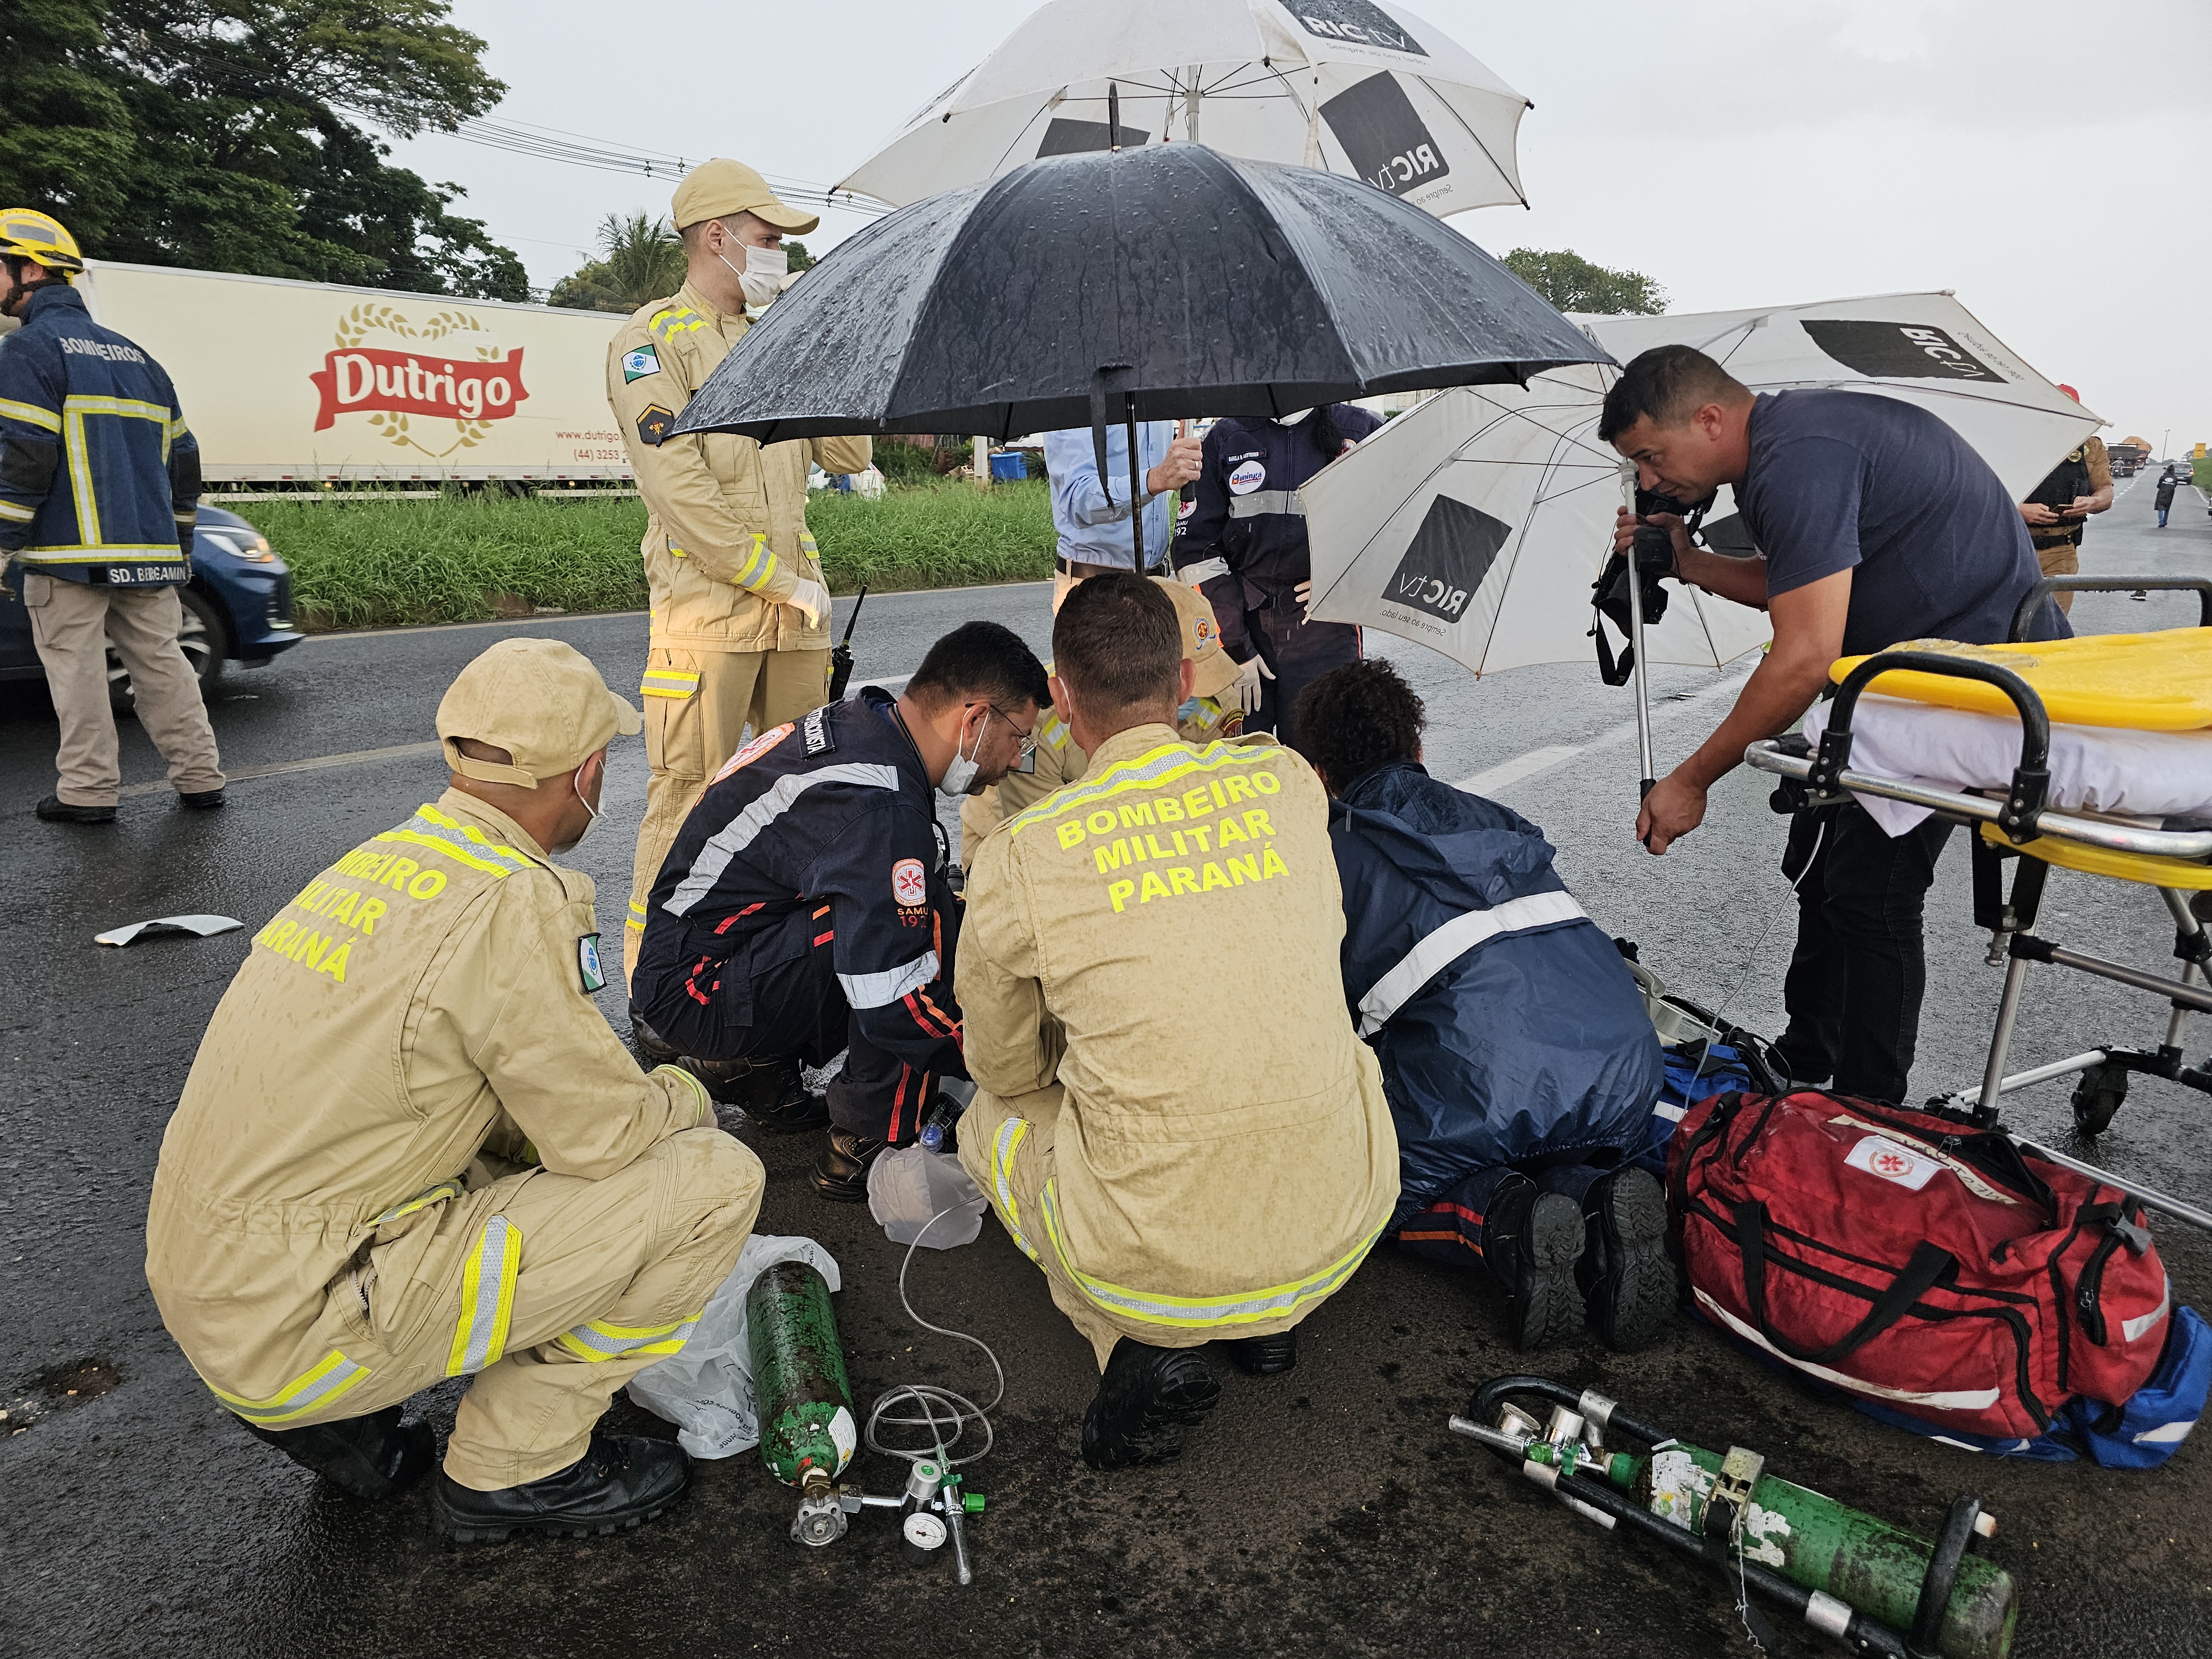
[{"x": 1090, "y": 530}]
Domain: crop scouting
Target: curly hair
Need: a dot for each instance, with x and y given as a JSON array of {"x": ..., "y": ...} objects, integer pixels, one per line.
[{"x": 1358, "y": 717}]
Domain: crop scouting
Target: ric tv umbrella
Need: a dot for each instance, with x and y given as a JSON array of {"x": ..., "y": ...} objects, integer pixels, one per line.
[
  {"x": 1352, "y": 87},
  {"x": 1477, "y": 523}
]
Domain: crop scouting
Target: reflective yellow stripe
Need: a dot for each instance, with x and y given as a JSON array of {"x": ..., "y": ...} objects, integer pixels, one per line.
[
  {"x": 20, "y": 514},
  {"x": 177, "y": 428},
  {"x": 597, "y": 1340},
  {"x": 636, "y": 919},
  {"x": 1052, "y": 730},
  {"x": 746, "y": 576},
  {"x": 80, "y": 465},
  {"x": 30, "y": 415},
  {"x": 89, "y": 403},
  {"x": 668, "y": 683},
  {"x": 310, "y": 1391},
  {"x": 458, "y": 842},
  {"x": 1003, "y": 1147},
  {"x": 1201, "y": 1312},
  {"x": 486, "y": 1298},
  {"x": 423, "y": 1200},
  {"x": 145, "y": 552},
  {"x": 1151, "y": 770}
]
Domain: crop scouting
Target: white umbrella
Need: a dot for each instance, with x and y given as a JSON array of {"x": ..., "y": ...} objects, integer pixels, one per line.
[
  {"x": 1353, "y": 87},
  {"x": 1477, "y": 523}
]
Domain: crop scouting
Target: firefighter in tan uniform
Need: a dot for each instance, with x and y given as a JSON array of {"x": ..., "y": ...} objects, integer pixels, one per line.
[
  {"x": 1170, "y": 1201},
  {"x": 739, "y": 613},
  {"x": 1059, "y": 759},
  {"x": 412, "y": 1148},
  {"x": 2056, "y": 512}
]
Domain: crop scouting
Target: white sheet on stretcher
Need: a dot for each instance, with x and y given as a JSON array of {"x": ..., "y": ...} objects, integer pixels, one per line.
[{"x": 2093, "y": 768}]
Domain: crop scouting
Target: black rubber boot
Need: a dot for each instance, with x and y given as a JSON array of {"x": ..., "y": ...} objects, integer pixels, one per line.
[
  {"x": 372, "y": 1457},
  {"x": 841, "y": 1174},
  {"x": 1145, "y": 1400},
  {"x": 201, "y": 800},
  {"x": 1625, "y": 1271},
  {"x": 1532, "y": 1241},
  {"x": 1263, "y": 1356},
  {"x": 54, "y": 809},
  {"x": 622, "y": 1481}
]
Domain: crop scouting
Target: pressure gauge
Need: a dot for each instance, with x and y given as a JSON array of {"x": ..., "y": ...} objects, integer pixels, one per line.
[{"x": 921, "y": 1535}]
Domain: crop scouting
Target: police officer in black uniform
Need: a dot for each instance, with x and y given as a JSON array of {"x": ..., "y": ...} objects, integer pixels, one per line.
[
  {"x": 804, "y": 906},
  {"x": 1243, "y": 545}
]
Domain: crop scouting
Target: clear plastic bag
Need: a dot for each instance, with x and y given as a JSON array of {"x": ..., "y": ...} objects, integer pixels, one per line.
[
  {"x": 707, "y": 1389},
  {"x": 908, "y": 1185}
]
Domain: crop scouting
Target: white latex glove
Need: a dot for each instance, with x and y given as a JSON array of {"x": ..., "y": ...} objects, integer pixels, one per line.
[
  {"x": 811, "y": 598},
  {"x": 1248, "y": 687},
  {"x": 1303, "y": 593}
]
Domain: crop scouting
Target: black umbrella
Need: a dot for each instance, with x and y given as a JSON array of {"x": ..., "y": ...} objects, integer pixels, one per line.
[{"x": 1141, "y": 284}]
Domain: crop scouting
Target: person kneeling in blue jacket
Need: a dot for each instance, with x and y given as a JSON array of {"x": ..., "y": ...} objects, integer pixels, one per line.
[{"x": 1517, "y": 1057}]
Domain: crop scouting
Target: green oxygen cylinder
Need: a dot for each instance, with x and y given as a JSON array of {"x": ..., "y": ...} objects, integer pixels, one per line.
[
  {"x": 807, "y": 1430},
  {"x": 1818, "y": 1543}
]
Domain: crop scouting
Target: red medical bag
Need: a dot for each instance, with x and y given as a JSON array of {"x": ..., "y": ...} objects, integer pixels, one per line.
[{"x": 1911, "y": 1258}]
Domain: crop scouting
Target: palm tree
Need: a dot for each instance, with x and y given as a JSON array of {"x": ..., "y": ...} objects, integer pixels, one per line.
[{"x": 640, "y": 260}]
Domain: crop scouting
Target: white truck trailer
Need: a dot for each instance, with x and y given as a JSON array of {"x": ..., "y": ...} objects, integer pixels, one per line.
[{"x": 312, "y": 384}]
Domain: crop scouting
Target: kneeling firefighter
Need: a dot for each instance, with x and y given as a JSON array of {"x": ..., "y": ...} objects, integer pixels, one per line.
[{"x": 411, "y": 1148}]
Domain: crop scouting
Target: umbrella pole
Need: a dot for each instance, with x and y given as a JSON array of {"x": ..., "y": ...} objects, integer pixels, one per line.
[
  {"x": 1137, "y": 491},
  {"x": 1643, "y": 685}
]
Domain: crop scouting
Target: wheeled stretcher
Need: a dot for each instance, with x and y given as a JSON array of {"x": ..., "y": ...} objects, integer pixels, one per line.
[{"x": 2109, "y": 773}]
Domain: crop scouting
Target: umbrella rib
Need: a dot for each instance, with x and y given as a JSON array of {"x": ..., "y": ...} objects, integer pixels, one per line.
[{"x": 1517, "y": 194}]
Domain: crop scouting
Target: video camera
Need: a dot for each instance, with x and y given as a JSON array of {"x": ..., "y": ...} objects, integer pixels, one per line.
[{"x": 1653, "y": 547}]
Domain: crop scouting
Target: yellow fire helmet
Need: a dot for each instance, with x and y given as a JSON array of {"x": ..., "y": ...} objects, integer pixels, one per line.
[{"x": 27, "y": 233}]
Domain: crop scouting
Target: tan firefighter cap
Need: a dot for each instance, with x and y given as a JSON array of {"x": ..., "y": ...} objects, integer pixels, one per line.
[
  {"x": 1214, "y": 670},
  {"x": 716, "y": 189},
  {"x": 542, "y": 702}
]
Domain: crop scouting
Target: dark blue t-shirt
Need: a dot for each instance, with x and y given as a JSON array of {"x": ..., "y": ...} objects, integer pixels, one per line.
[{"x": 1854, "y": 481}]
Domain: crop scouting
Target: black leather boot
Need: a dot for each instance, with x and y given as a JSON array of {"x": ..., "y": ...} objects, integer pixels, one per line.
[
  {"x": 54, "y": 809},
  {"x": 1146, "y": 1399},
  {"x": 1263, "y": 1356},
  {"x": 774, "y": 1094},
  {"x": 841, "y": 1174},
  {"x": 652, "y": 1048},
  {"x": 1625, "y": 1271},
  {"x": 372, "y": 1456},
  {"x": 622, "y": 1481},
  {"x": 1531, "y": 1241}
]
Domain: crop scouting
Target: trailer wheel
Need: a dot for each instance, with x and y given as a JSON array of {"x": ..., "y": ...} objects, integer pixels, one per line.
[{"x": 2097, "y": 1097}]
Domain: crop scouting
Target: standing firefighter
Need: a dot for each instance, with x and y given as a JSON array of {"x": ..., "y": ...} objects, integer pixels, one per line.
[
  {"x": 2056, "y": 512},
  {"x": 411, "y": 1148},
  {"x": 739, "y": 613},
  {"x": 99, "y": 483}
]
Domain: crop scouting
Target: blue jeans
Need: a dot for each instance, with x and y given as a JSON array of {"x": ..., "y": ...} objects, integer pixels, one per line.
[{"x": 2162, "y": 517}]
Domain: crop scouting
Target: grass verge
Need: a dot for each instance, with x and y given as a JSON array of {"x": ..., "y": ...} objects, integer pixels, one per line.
[{"x": 370, "y": 563}]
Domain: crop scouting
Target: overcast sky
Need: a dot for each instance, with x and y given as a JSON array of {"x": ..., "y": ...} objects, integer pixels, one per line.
[{"x": 2041, "y": 157}]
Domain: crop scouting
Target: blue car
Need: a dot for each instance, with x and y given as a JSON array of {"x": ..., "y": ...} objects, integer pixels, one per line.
[{"x": 238, "y": 608}]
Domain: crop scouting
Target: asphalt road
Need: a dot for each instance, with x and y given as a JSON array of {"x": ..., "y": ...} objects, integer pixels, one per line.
[{"x": 1327, "y": 1511}]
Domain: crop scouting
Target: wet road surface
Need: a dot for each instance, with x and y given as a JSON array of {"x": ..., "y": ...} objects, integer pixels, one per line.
[{"x": 1327, "y": 1511}]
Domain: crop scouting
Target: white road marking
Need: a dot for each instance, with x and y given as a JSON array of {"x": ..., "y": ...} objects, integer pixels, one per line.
[
  {"x": 1522, "y": 768},
  {"x": 315, "y": 763}
]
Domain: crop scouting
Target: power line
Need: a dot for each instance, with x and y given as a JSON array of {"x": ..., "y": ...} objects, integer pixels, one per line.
[{"x": 578, "y": 150}]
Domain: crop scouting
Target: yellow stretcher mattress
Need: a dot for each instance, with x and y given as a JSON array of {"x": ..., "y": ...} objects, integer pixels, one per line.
[{"x": 2159, "y": 681}]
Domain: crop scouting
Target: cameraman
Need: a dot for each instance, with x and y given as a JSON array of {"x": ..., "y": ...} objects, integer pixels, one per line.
[{"x": 1876, "y": 523}]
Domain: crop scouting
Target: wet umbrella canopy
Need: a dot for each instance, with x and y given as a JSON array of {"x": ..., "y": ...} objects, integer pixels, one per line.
[{"x": 1141, "y": 284}]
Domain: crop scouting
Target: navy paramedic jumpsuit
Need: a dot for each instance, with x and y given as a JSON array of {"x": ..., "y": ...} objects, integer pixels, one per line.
[
  {"x": 1243, "y": 545},
  {"x": 804, "y": 909}
]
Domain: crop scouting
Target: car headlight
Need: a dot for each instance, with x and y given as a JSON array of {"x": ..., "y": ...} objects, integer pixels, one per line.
[{"x": 251, "y": 546}]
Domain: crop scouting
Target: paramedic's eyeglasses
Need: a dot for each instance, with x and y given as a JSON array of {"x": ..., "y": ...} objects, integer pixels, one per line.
[{"x": 1026, "y": 761}]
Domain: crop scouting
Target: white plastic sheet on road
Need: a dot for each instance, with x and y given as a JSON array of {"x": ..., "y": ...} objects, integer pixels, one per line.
[
  {"x": 1476, "y": 523},
  {"x": 1353, "y": 87},
  {"x": 707, "y": 1390}
]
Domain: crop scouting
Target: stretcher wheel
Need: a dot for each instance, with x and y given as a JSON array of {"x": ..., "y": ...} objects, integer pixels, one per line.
[{"x": 2097, "y": 1096}]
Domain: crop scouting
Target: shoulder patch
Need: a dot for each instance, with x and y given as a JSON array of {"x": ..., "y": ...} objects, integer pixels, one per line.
[
  {"x": 637, "y": 364},
  {"x": 655, "y": 424},
  {"x": 819, "y": 739},
  {"x": 587, "y": 964}
]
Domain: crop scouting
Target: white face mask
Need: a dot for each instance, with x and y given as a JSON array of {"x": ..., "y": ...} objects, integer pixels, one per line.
[
  {"x": 762, "y": 279},
  {"x": 578, "y": 791},
  {"x": 960, "y": 771},
  {"x": 1292, "y": 419}
]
